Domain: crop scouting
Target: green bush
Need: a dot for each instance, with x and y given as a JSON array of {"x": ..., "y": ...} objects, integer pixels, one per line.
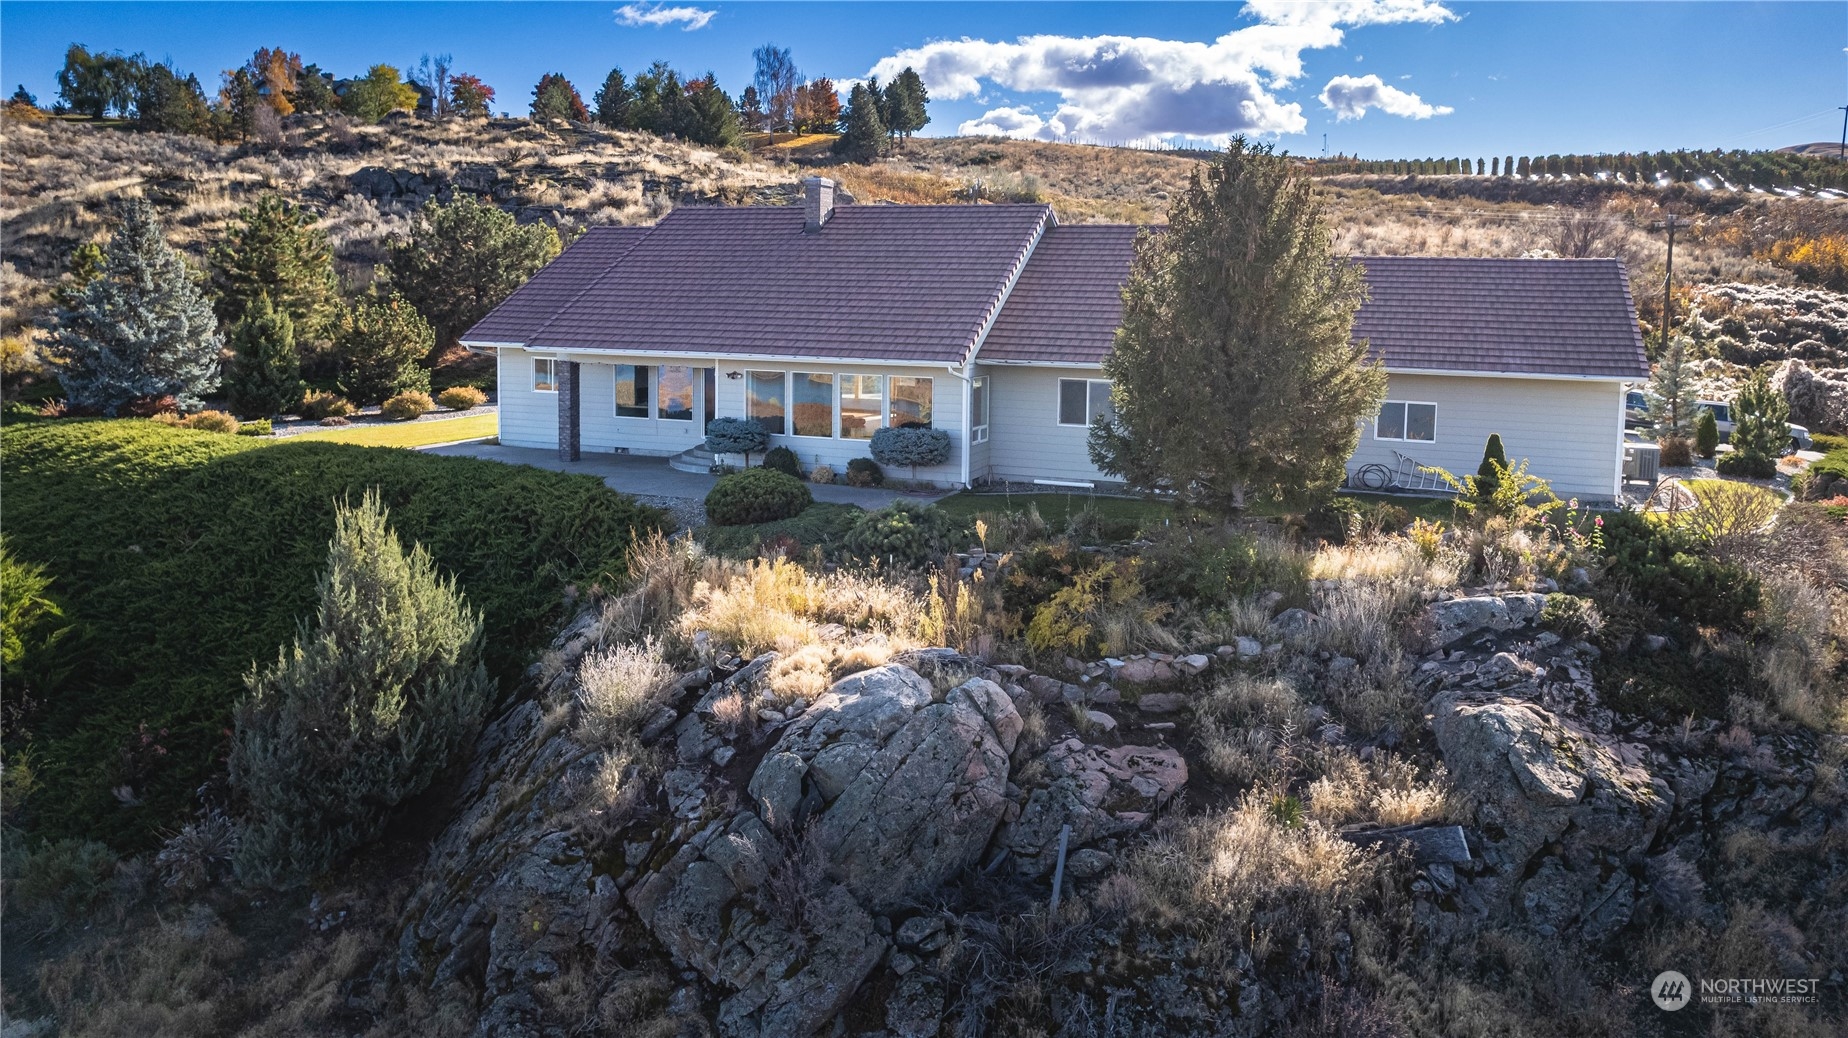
[
  {"x": 756, "y": 496},
  {"x": 1570, "y": 615},
  {"x": 1210, "y": 567},
  {"x": 407, "y": 406},
  {"x": 782, "y": 459},
  {"x": 821, "y": 525},
  {"x": 55, "y": 881},
  {"x": 258, "y": 427},
  {"x": 375, "y": 697},
  {"x": 1664, "y": 568},
  {"x": 904, "y": 534},
  {"x": 1747, "y": 465},
  {"x": 461, "y": 398},
  {"x": 1706, "y": 433},
  {"x": 911, "y": 446},
  {"x": 318, "y": 405},
  {"x": 865, "y": 472},
  {"x": 745, "y": 436},
  {"x": 185, "y": 558}
]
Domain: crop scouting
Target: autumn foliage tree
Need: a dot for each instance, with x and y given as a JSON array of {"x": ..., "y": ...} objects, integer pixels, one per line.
[
  {"x": 818, "y": 106},
  {"x": 556, "y": 98},
  {"x": 469, "y": 97},
  {"x": 381, "y": 93},
  {"x": 277, "y": 71}
]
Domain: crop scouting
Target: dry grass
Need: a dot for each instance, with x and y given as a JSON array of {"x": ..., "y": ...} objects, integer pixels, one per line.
[
  {"x": 1387, "y": 790},
  {"x": 765, "y": 603},
  {"x": 617, "y": 689},
  {"x": 1246, "y": 725},
  {"x": 1805, "y": 624}
]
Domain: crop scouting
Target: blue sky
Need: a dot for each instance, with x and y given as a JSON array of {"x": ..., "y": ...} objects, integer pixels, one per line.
[{"x": 1382, "y": 78}]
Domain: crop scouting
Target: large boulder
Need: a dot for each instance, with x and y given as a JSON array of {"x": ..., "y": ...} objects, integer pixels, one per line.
[
  {"x": 1818, "y": 397},
  {"x": 1100, "y": 791},
  {"x": 1456, "y": 618},
  {"x": 1566, "y": 816}
]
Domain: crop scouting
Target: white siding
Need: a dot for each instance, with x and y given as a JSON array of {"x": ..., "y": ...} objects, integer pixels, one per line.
[
  {"x": 946, "y": 392},
  {"x": 527, "y": 418},
  {"x": 1569, "y": 431},
  {"x": 1025, "y": 440},
  {"x": 601, "y": 431}
]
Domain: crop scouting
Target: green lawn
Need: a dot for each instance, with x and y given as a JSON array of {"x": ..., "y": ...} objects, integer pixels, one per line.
[{"x": 408, "y": 434}]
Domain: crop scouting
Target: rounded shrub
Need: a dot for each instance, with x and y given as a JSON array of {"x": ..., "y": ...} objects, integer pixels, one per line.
[
  {"x": 406, "y": 406},
  {"x": 1748, "y": 464},
  {"x": 260, "y": 427},
  {"x": 756, "y": 496},
  {"x": 821, "y": 475},
  {"x": 865, "y": 472},
  {"x": 461, "y": 398},
  {"x": 903, "y": 534},
  {"x": 322, "y": 404},
  {"x": 746, "y": 436},
  {"x": 782, "y": 459},
  {"x": 911, "y": 446},
  {"x": 1677, "y": 452},
  {"x": 212, "y": 421}
]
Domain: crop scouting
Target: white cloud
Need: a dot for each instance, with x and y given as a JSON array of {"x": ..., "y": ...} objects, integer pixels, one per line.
[
  {"x": 1130, "y": 88},
  {"x": 1350, "y": 97},
  {"x": 658, "y": 16}
]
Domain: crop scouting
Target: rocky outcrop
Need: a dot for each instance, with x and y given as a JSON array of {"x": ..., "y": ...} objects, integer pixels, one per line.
[
  {"x": 1457, "y": 617},
  {"x": 1818, "y": 397},
  {"x": 1099, "y": 791}
]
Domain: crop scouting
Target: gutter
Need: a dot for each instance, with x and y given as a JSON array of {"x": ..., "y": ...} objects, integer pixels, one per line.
[{"x": 1462, "y": 373}]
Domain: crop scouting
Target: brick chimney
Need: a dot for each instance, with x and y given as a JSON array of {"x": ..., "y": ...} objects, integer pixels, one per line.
[{"x": 817, "y": 203}]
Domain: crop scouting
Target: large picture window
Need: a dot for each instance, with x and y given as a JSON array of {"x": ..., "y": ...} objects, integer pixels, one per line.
[
  {"x": 765, "y": 399},
  {"x": 862, "y": 405},
  {"x": 910, "y": 402},
  {"x": 632, "y": 390},
  {"x": 813, "y": 408},
  {"x": 1406, "y": 420},
  {"x": 545, "y": 375},
  {"x": 978, "y": 409},
  {"x": 1081, "y": 400},
  {"x": 676, "y": 393}
]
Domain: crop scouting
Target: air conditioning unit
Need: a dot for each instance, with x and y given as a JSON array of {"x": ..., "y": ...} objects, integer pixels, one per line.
[{"x": 1642, "y": 462}]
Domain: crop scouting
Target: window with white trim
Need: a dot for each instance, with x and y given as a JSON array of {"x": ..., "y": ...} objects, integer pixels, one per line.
[
  {"x": 908, "y": 403},
  {"x": 632, "y": 390},
  {"x": 765, "y": 394},
  {"x": 978, "y": 409},
  {"x": 811, "y": 409},
  {"x": 863, "y": 406},
  {"x": 674, "y": 400},
  {"x": 1082, "y": 400},
  {"x": 545, "y": 375},
  {"x": 1409, "y": 421}
]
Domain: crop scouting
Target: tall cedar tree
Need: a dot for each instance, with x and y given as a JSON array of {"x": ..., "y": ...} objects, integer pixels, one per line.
[
  {"x": 277, "y": 250},
  {"x": 460, "y": 260},
  {"x": 379, "y": 343},
  {"x": 613, "y": 99},
  {"x": 1671, "y": 392},
  {"x": 863, "y": 132},
  {"x": 264, "y": 374},
  {"x": 238, "y": 101},
  {"x": 140, "y": 328},
  {"x": 378, "y": 694},
  {"x": 1494, "y": 463},
  {"x": 556, "y": 98},
  {"x": 469, "y": 97},
  {"x": 715, "y": 122},
  {"x": 1235, "y": 374},
  {"x": 378, "y": 95}
]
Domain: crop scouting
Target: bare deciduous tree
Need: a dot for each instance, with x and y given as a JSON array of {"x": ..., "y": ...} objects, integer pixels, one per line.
[{"x": 776, "y": 81}]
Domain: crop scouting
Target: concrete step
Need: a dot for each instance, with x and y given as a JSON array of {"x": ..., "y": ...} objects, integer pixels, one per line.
[{"x": 698, "y": 459}]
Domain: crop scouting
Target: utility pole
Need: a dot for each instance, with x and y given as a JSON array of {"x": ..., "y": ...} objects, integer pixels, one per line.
[
  {"x": 1844, "y": 133},
  {"x": 1668, "y": 282}
]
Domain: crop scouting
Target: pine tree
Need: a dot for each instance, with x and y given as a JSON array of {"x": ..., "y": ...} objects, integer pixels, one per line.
[
  {"x": 1761, "y": 423},
  {"x": 863, "y": 132},
  {"x": 378, "y": 344},
  {"x": 751, "y": 110},
  {"x": 612, "y": 100},
  {"x": 166, "y": 103},
  {"x": 376, "y": 696},
  {"x": 86, "y": 265},
  {"x": 139, "y": 328},
  {"x": 1494, "y": 463},
  {"x": 556, "y": 98},
  {"x": 460, "y": 260},
  {"x": 314, "y": 92},
  {"x": 1236, "y": 378},
  {"x": 264, "y": 375},
  {"x": 904, "y": 101},
  {"x": 1671, "y": 391},
  {"x": 715, "y": 119},
  {"x": 277, "y": 250}
]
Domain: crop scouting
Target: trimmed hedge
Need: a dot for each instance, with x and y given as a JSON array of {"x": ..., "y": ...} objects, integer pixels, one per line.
[
  {"x": 186, "y": 556},
  {"x": 756, "y": 496}
]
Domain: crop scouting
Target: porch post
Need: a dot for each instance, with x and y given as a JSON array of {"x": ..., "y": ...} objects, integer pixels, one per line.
[{"x": 568, "y": 407}]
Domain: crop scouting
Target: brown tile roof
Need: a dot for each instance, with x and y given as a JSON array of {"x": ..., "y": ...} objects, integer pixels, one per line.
[
  {"x": 892, "y": 283},
  {"x": 1525, "y": 316},
  {"x": 1067, "y": 305},
  {"x": 532, "y": 304}
]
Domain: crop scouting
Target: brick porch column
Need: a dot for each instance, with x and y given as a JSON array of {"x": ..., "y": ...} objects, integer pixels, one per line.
[{"x": 569, "y": 404}]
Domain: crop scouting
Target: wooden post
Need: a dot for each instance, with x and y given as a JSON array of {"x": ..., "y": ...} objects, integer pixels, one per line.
[{"x": 1058, "y": 870}]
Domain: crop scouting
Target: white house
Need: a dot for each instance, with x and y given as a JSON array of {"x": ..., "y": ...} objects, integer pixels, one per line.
[{"x": 831, "y": 321}]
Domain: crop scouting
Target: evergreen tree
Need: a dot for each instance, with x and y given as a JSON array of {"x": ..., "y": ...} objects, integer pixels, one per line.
[
  {"x": 238, "y": 101},
  {"x": 264, "y": 374},
  {"x": 277, "y": 250},
  {"x": 751, "y": 109},
  {"x": 139, "y": 328},
  {"x": 715, "y": 118},
  {"x": 86, "y": 265},
  {"x": 905, "y": 98},
  {"x": 378, "y": 343},
  {"x": 378, "y": 694},
  {"x": 1706, "y": 433},
  {"x": 1761, "y": 422},
  {"x": 613, "y": 99},
  {"x": 863, "y": 132},
  {"x": 24, "y": 97},
  {"x": 556, "y": 98},
  {"x": 1235, "y": 374},
  {"x": 1495, "y": 167},
  {"x": 166, "y": 103},
  {"x": 1671, "y": 391},
  {"x": 314, "y": 92},
  {"x": 1494, "y": 463},
  {"x": 460, "y": 260}
]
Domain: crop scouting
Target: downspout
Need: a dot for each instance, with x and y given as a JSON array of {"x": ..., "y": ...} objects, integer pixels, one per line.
[{"x": 968, "y": 381}]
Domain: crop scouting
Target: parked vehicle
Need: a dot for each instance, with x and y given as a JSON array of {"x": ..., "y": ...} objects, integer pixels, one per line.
[{"x": 1636, "y": 416}]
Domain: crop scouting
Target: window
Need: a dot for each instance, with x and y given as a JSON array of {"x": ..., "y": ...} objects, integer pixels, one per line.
[
  {"x": 764, "y": 399},
  {"x": 910, "y": 402},
  {"x": 545, "y": 375},
  {"x": 676, "y": 395},
  {"x": 1084, "y": 399},
  {"x": 813, "y": 402},
  {"x": 1400, "y": 420},
  {"x": 862, "y": 405},
  {"x": 978, "y": 409},
  {"x": 632, "y": 391}
]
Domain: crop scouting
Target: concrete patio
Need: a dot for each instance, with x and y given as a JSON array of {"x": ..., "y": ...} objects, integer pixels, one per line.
[{"x": 647, "y": 477}]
